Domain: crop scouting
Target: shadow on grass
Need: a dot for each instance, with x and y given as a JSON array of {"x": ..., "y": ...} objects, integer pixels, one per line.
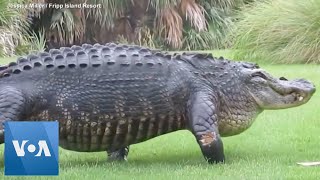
[
  {"x": 183, "y": 159},
  {"x": 143, "y": 158},
  {"x": 169, "y": 159}
]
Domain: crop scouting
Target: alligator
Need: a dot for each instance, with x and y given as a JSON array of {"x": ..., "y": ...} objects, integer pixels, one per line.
[{"x": 107, "y": 97}]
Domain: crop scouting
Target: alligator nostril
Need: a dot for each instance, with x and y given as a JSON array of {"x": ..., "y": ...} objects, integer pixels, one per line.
[{"x": 283, "y": 79}]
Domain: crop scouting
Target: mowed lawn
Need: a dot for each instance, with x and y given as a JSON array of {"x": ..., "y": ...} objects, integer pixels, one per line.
[{"x": 267, "y": 150}]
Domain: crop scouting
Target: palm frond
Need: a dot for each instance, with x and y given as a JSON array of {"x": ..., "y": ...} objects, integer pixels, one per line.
[
  {"x": 172, "y": 25},
  {"x": 66, "y": 25},
  {"x": 38, "y": 41},
  {"x": 110, "y": 11},
  {"x": 159, "y": 5},
  {"x": 146, "y": 38},
  {"x": 7, "y": 42},
  {"x": 194, "y": 40},
  {"x": 195, "y": 13},
  {"x": 36, "y": 10},
  {"x": 225, "y": 5}
]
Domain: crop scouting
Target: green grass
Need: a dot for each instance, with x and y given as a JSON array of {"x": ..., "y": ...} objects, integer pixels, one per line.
[
  {"x": 267, "y": 150},
  {"x": 6, "y": 60},
  {"x": 279, "y": 31}
]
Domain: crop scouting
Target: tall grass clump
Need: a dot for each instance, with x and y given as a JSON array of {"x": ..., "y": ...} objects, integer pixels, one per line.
[
  {"x": 14, "y": 36},
  {"x": 279, "y": 31}
]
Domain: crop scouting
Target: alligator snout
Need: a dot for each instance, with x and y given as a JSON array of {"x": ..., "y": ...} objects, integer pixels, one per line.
[
  {"x": 303, "y": 86},
  {"x": 298, "y": 91},
  {"x": 300, "y": 86},
  {"x": 286, "y": 93}
]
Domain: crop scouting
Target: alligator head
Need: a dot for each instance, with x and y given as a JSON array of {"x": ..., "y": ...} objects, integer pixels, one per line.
[
  {"x": 244, "y": 90},
  {"x": 247, "y": 83},
  {"x": 277, "y": 93}
]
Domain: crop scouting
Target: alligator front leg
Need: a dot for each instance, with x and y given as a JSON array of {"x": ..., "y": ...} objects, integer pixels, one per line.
[
  {"x": 203, "y": 124},
  {"x": 11, "y": 105}
]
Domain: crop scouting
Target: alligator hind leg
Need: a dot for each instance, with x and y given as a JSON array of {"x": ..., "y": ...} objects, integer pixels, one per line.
[
  {"x": 203, "y": 123},
  {"x": 118, "y": 155},
  {"x": 11, "y": 105}
]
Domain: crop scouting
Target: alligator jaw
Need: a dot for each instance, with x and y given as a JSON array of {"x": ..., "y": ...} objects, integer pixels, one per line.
[
  {"x": 293, "y": 93},
  {"x": 271, "y": 93}
]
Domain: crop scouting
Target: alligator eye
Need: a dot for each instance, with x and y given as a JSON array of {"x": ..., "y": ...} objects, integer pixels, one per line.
[
  {"x": 283, "y": 79},
  {"x": 259, "y": 74}
]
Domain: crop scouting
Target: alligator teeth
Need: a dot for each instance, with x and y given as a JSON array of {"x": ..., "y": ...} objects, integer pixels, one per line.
[
  {"x": 297, "y": 96},
  {"x": 300, "y": 98}
]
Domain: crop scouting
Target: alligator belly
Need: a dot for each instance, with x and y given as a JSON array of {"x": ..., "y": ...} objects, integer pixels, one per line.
[{"x": 112, "y": 135}]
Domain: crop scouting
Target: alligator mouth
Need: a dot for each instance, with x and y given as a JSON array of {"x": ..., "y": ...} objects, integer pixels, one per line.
[
  {"x": 273, "y": 93},
  {"x": 293, "y": 91},
  {"x": 297, "y": 97},
  {"x": 291, "y": 97}
]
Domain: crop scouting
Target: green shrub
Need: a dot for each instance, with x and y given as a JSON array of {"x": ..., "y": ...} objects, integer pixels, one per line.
[
  {"x": 14, "y": 36},
  {"x": 279, "y": 31}
]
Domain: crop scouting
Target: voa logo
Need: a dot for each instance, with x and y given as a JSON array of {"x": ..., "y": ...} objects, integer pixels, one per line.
[
  {"x": 31, "y": 148},
  {"x": 42, "y": 144}
]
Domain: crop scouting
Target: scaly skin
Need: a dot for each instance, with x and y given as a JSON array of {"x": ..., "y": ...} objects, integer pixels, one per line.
[{"x": 107, "y": 97}]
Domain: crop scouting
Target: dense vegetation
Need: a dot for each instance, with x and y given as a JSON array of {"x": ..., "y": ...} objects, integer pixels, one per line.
[
  {"x": 279, "y": 31},
  {"x": 273, "y": 31},
  {"x": 173, "y": 24},
  {"x": 16, "y": 37},
  {"x": 11, "y": 29}
]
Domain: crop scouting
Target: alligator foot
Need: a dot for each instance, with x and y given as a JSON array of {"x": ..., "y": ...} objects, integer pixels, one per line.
[
  {"x": 212, "y": 148},
  {"x": 119, "y": 155}
]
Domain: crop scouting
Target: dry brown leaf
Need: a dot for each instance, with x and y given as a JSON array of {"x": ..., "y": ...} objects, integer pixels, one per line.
[
  {"x": 195, "y": 13},
  {"x": 172, "y": 25}
]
